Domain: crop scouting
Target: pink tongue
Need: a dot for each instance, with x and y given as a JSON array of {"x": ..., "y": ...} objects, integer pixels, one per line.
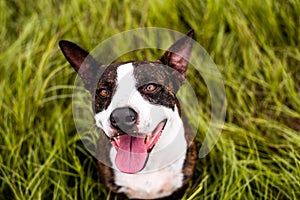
[{"x": 132, "y": 154}]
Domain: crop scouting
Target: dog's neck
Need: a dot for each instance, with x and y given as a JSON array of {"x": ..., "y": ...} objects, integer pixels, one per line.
[{"x": 162, "y": 174}]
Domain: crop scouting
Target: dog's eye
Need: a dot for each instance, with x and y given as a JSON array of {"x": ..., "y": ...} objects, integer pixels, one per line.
[
  {"x": 104, "y": 93},
  {"x": 150, "y": 88}
]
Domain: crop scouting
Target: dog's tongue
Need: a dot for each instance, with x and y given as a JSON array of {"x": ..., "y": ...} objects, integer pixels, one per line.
[{"x": 132, "y": 154}]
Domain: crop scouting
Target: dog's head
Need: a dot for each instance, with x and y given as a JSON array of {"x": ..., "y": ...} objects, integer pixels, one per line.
[{"x": 134, "y": 102}]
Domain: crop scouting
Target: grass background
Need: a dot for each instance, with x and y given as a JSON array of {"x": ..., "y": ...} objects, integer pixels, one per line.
[{"x": 255, "y": 45}]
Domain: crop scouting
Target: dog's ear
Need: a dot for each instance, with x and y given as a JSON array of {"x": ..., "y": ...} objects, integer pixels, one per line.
[
  {"x": 178, "y": 54},
  {"x": 83, "y": 63}
]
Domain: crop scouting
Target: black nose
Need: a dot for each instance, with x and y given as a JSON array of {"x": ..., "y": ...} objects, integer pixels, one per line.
[{"x": 123, "y": 118}]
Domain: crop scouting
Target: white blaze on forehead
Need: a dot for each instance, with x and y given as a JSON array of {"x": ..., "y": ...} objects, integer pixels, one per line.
[
  {"x": 125, "y": 72},
  {"x": 125, "y": 86}
]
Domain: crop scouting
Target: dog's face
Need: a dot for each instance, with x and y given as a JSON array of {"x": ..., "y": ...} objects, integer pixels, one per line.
[{"x": 134, "y": 103}]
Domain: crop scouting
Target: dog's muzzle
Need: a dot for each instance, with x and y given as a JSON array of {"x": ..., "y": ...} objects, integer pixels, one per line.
[{"x": 132, "y": 148}]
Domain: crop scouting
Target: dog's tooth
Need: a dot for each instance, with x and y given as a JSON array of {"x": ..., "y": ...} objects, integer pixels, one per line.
[
  {"x": 147, "y": 139},
  {"x": 118, "y": 140}
]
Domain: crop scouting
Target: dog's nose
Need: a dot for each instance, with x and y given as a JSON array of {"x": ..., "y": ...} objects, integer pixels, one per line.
[{"x": 123, "y": 118}]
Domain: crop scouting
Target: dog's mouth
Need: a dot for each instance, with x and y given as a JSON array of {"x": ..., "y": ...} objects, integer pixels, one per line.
[{"x": 133, "y": 151}]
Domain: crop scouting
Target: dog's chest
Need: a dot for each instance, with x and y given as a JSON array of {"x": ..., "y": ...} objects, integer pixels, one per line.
[{"x": 151, "y": 185}]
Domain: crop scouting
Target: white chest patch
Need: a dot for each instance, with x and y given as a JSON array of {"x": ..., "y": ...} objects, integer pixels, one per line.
[{"x": 151, "y": 185}]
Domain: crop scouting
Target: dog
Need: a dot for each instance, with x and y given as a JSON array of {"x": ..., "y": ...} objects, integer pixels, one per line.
[{"x": 152, "y": 152}]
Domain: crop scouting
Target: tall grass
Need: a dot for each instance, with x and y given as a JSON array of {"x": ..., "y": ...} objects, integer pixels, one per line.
[{"x": 254, "y": 43}]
